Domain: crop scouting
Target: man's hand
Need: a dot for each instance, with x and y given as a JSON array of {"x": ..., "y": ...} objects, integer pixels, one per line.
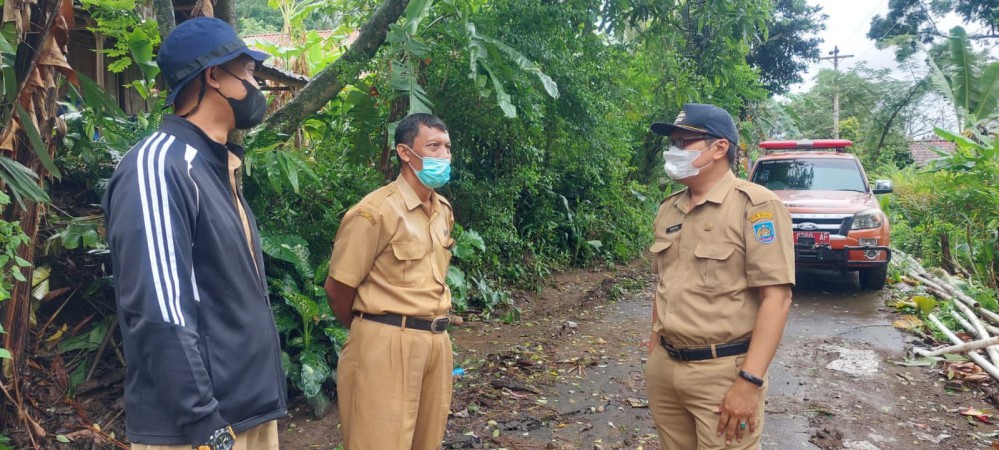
[{"x": 740, "y": 405}]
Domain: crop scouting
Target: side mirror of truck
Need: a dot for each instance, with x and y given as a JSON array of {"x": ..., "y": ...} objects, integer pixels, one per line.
[{"x": 883, "y": 187}]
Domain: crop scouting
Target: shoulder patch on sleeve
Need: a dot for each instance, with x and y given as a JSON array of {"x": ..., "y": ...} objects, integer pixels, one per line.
[
  {"x": 765, "y": 231},
  {"x": 761, "y": 215},
  {"x": 366, "y": 213},
  {"x": 757, "y": 194}
]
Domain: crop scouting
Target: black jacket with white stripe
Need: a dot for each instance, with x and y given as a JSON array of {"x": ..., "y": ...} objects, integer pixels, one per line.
[{"x": 199, "y": 336}]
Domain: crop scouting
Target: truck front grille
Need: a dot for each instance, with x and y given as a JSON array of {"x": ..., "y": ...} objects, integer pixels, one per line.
[{"x": 836, "y": 224}]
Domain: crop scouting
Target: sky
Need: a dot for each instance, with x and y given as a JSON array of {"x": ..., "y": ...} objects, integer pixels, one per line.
[{"x": 846, "y": 27}]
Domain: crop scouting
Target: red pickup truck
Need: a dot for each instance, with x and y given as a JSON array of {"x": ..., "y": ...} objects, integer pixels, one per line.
[{"x": 838, "y": 222}]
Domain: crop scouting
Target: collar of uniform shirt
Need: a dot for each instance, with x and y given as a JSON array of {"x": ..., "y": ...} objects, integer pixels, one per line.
[
  {"x": 409, "y": 195},
  {"x": 716, "y": 195}
]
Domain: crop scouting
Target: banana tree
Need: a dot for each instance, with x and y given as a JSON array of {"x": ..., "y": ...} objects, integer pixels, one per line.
[
  {"x": 485, "y": 54},
  {"x": 33, "y": 50},
  {"x": 971, "y": 84}
]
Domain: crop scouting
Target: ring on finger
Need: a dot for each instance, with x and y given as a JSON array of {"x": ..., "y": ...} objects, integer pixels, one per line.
[{"x": 742, "y": 425}]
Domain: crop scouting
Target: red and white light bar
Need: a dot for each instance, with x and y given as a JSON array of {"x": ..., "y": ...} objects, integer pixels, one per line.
[{"x": 807, "y": 144}]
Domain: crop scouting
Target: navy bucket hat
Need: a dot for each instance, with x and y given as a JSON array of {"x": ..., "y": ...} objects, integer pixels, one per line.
[
  {"x": 701, "y": 118},
  {"x": 195, "y": 45}
]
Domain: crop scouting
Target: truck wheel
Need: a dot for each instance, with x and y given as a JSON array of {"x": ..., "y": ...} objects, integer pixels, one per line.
[{"x": 874, "y": 278}]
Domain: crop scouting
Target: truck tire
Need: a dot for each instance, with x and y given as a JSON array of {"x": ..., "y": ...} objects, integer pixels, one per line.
[{"x": 874, "y": 278}]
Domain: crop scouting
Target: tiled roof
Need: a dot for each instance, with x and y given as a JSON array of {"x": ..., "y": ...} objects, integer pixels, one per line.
[{"x": 921, "y": 150}]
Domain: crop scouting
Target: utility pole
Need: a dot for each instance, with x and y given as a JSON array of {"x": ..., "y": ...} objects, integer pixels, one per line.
[{"x": 835, "y": 59}]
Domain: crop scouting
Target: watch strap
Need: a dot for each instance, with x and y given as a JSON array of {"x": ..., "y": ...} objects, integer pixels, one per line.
[{"x": 751, "y": 378}]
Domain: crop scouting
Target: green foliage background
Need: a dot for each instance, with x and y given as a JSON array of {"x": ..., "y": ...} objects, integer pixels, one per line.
[{"x": 548, "y": 104}]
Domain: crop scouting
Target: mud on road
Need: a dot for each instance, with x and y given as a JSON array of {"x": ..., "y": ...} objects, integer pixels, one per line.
[{"x": 570, "y": 375}]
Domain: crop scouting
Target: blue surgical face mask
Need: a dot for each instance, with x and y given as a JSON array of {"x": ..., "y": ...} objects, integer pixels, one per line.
[{"x": 436, "y": 171}]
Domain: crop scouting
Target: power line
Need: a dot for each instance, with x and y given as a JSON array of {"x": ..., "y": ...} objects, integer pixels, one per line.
[{"x": 868, "y": 19}]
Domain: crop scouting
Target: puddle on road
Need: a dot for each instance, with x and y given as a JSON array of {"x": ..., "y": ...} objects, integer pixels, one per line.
[{"x": 854, "y": 362}]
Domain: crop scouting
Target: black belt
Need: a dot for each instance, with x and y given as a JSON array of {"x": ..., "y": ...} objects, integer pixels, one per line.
[
  {"x": 438, "y": 325},
  {"x": 701, "y": 353}
]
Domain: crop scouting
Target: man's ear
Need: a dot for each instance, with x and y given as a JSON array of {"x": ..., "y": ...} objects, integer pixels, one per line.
[
  {"x": 210, "y": 78},
  {"x": 722, "y": 149},
  {"x": 400, "y": 150}
]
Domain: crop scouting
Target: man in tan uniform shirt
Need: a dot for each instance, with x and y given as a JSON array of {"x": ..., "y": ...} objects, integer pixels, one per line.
[
  {"x": 724, "y": 259},
  {"x": 387, "y": 285}
]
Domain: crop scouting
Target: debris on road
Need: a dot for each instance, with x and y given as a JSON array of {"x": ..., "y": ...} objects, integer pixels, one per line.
[
  {"x": 854, "y": 362},
  {"x": 638, "y": 403}
]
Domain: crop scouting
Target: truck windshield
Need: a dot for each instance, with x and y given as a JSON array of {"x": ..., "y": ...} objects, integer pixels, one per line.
[{"x": 815, "y": 174}]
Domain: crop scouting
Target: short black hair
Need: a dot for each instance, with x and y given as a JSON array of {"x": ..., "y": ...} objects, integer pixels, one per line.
[
  {"x": 409, "y": 127},
  {"x": 733, "y": 150}
]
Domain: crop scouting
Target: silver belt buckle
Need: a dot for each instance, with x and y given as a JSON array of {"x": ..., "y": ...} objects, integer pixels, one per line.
[{"x": 439, "y": 324}]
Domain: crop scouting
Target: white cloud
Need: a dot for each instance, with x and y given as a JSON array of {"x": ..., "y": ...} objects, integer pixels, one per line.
[{"x": 847, "y": 27}]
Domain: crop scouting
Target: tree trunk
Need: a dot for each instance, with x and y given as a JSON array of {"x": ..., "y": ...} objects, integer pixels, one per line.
[
  {"x": 164, "y": 17},
  {"x": 226, "y": 10},
  {"x": 946, "y": 261},
  {"x": 650, "y": 149},
  {"x": 397, "y": 111},
  {"x": 328, "y": 83}
]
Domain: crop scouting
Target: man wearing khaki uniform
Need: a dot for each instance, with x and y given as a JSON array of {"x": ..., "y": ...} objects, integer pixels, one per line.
[
  {"x": 724, "y": 259},
  {"x": 387, "y": 284}
]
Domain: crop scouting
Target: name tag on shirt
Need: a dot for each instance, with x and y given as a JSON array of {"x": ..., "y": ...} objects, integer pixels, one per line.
[{"x": 674, "y": 228}]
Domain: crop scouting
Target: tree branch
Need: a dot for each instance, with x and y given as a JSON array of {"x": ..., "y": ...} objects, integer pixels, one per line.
[
  {"x": 327, "y": 84},
  {"x": 970, "y": 36},
  {"x": 898, "y": 108}
]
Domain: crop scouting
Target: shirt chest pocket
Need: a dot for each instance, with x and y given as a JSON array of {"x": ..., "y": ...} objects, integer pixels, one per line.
[
  {"x": 411, "y": 267},
  {"x": 660, "y": 253},
  {"x": 715, "y": 263}
]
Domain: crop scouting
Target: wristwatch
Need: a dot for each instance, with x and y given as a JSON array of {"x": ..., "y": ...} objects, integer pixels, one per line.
[{"x": 221, "y": 439}]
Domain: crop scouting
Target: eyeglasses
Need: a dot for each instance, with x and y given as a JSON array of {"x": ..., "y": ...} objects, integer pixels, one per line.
[{"x": 684, "y": 142}]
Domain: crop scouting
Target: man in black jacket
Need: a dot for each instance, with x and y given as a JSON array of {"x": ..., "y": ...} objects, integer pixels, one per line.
[{"x": 204, "y": 366}]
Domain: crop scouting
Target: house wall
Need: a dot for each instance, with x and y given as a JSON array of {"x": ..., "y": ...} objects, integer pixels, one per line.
[{"x": 83, "y": 57}]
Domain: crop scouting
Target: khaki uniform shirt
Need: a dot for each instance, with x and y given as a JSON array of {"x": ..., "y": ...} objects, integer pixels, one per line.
[
  {"x": 396, "y": 253},
  {"x": 709, "y": 259}
]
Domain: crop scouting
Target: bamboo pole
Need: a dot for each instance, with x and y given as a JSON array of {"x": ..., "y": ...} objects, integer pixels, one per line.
[
  {"x": 959, "y": 348},
  {"x": 991, "y": 316},
  {"x": 978, "y": 328},
  {"x": 937, "y": 281},
  {"x": 976, "y": 357}
]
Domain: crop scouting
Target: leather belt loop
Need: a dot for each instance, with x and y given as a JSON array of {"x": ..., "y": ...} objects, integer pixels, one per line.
[
  {"x": 403, "y": 324},
  {"x": 714, "y": 352}
]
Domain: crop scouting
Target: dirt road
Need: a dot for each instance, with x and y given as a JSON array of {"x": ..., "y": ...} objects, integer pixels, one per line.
[{"x": 570, "y": 376}]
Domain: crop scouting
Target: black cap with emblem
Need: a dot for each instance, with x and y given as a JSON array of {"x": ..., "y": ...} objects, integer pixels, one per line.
[{"x": 701, "y": 118}]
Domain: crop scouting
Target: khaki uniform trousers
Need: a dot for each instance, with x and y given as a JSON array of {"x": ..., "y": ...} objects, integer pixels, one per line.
[
  {"x": 394, "y": 387},
  {"x": 683, "y": 398},
  {"x": 260, "y": 437}
]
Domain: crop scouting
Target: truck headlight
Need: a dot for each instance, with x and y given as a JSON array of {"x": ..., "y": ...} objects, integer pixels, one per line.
[
  {"x": 868, "y": 242},
  {"x": 867, "y": 219}
]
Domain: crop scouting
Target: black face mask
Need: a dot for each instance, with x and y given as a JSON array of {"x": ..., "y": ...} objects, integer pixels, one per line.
[{"x": 248, "y": 111}]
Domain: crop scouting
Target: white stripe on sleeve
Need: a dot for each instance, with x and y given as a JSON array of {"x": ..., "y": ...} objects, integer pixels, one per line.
[{"x": 155, "y": 139}]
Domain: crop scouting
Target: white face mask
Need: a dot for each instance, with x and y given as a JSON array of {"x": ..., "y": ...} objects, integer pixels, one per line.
[{"x": 680, "y": 163}]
